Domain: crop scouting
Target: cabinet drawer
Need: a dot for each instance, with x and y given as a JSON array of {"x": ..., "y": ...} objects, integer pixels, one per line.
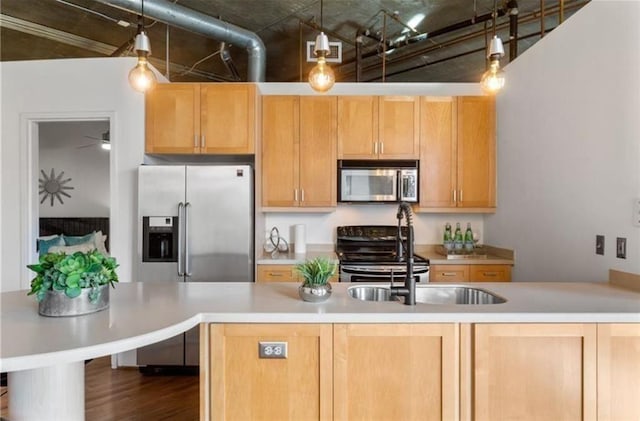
[
  {"x": 449, "y": 273},
  {"x": 490, "y": 273},
  {"x": 277, "y": 273}
]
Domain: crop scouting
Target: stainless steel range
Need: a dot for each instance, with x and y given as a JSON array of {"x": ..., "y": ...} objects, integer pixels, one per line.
[{"x": 373, "y": 253}]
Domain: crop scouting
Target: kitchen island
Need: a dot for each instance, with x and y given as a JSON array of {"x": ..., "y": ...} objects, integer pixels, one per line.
[{"x": 36, "y": 350}]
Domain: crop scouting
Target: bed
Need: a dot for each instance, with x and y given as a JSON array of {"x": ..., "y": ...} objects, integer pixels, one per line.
[{"x": 76, "y": 227}]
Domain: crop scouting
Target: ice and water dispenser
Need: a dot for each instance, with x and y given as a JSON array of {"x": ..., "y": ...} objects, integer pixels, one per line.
[{"x": 159, "y": 238}]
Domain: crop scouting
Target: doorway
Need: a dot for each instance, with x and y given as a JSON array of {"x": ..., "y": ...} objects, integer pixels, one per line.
[{"x": 63, "y": 147}]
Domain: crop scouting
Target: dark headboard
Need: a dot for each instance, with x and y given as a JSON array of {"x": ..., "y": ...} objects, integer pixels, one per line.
[{"x": 74, "y": 226}]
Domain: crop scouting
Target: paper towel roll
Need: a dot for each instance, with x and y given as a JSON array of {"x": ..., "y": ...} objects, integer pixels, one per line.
[{"x": 299, "y": 240}]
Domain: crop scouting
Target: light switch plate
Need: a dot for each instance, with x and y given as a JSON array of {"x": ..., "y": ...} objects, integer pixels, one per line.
[
  {"x": 636, "y": 212},
  {"x": 600, "y": 244},
  {"x": 621, "y": 248}
]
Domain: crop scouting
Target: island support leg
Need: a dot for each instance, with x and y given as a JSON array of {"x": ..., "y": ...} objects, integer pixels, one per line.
[{"x": 50, "y": 393}]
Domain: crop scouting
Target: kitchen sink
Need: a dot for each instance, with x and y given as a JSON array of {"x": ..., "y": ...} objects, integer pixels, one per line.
[{"x": 430, "y": 294}]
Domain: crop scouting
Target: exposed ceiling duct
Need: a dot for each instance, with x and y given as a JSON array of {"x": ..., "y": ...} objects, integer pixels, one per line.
[{"x": 191, "y": 20}]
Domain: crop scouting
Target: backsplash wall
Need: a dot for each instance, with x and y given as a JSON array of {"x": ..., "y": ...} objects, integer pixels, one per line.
[{"x": 321, "y": 227}]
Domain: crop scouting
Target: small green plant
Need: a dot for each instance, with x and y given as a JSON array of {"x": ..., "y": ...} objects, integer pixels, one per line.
[
  {"x": 316, "y": 271},
  {"x": 72, "y": 273}
]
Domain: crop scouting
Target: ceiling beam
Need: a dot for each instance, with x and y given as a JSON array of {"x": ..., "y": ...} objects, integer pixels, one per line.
[{"x": 62, "y": 37}]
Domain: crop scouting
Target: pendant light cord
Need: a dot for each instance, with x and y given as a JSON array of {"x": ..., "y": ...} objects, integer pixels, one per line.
[
  {"x": 321, "y": 21},
  {"x": 495, "y": 13}
]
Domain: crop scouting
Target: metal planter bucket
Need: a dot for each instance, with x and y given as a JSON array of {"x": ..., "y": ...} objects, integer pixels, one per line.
[
  {"x": 315, "y": 293},
  {"x": 57, "y": 304}
]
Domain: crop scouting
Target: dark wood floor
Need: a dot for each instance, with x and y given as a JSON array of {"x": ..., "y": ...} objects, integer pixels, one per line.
[{"x": 125, "y": 394}]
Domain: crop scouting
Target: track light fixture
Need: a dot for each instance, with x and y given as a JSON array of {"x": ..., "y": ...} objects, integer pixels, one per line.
[
  {"x": 321, "y": 77},
  {"x": 141, "y": 77}
]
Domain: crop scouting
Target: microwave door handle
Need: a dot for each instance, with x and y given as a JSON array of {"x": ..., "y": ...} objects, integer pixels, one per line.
[
  {"x": 180, "y": 239},
  {"x": 399, "y": 193}
]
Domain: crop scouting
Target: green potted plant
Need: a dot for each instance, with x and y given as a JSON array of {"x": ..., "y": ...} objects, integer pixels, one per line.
[
  {"x": 74, "y": 284},
  {"x": 315, "y": 274}
]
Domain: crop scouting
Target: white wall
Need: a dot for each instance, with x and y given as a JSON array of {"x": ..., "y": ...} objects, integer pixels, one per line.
[
  {"x": 569, "y": 148},
  {"x": 51, "y": 89},
  {"x": 321, "y": 228},
  {"x": 75, "y": 148}
]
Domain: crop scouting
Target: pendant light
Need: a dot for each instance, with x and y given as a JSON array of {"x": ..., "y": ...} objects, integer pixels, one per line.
[
  {"x": 321, "y": 77},
  {"x": 141, "y": 77},
  {"x": 493, "y": 79}
]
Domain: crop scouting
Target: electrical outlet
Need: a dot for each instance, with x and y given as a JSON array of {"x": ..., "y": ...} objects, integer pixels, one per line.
[
  {"x": 600, "y": 244},
  {"x": 621, "y": 248},
  {"x": 272, "y": 349}
]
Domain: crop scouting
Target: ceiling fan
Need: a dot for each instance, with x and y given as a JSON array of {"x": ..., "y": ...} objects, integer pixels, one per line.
[{"x": 105, "y": 141}]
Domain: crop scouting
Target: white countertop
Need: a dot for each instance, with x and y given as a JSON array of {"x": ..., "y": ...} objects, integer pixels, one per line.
[{"x": 144, "y": 313}]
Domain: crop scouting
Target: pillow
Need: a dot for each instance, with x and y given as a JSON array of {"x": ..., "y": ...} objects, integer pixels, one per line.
[
  {"x": 100, "y": 243},
  {"x": 49, "y": 237},
  {"x": 85, "y": 247},
  {"x": 45, "y": 245},
  {"x": 75, "y": 240}
]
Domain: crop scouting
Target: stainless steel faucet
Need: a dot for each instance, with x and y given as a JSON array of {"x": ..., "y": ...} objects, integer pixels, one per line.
[{"x": 408, "y": 290}]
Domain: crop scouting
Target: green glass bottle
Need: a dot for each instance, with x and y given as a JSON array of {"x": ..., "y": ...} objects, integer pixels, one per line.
[
  {"x": 447, "y": 240},
  {"x": 468, "y": 238},
  {"x": 458, "y": 241}
]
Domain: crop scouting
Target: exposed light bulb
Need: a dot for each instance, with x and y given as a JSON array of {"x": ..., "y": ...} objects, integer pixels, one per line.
[
  {"x": 321, "y": 77},
  {"x": 106, "y": 145},
  {"x": 493, "y": 79},
  {"x": 141, "y": 77}
]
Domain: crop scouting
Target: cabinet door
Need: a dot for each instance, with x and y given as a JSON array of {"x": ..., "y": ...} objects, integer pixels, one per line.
[
  {"x": 318, "y": 144},
  {"x": 534, "y": 372},
  {"x": 619, "y": 371},
  {"x": 172, "y": 120},
  {"x": 227, "y": 118},
  {"x": 395, "y": 371},
  {"x": 438, "y": 153},
  {"x": 399, "y": 127},
  {"x": 245, "y": 386},
  {"x": 277, "y": 273},
  {"x": 476, "y": 152},
  {"x": 280, "y": 151},
  {"x": 490, "y": 273},
  {"x": 357, "y": 127},
  {"x": 448, "y": 273}
]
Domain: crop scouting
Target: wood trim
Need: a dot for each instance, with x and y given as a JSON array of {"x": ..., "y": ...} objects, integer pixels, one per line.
[
  {"x": 418, "y": 209},
  {"x": 216, "y": 336},
  {"x": 624, "y": 279},
  {"x": 205, "y": 373},
  {"x": 466, "y": 372}
]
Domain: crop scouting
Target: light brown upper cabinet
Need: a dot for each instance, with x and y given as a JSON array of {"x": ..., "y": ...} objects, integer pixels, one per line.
[
  {"x": 201, "y": 118},
  {"x": 457, "y": 153},
  {"x": 299, "y": 151},
  {"x": 378, "y": 127}
]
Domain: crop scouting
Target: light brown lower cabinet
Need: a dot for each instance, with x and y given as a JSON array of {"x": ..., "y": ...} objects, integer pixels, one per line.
[
  {"x": 519, "y": 371},
  {"x": 470, "y": 273},
  {"x": 240, "y": 385},
  {"x": 534, "y": 372},
  {"x": 395, "y": 371},
  {"x": 619, "y": 371},
  {"x": 282, "y": 273}
]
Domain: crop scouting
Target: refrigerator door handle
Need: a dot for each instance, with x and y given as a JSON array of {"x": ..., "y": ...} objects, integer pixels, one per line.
[
  {"x": 180, "y": 240},
  {"x": 187, "y": 269}
]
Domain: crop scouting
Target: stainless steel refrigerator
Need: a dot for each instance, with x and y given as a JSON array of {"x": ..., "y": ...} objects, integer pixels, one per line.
[{"x": 196, "y": 225}]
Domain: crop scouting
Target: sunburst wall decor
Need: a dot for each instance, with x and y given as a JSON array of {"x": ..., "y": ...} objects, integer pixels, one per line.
[{"x": 52, "y": 186}]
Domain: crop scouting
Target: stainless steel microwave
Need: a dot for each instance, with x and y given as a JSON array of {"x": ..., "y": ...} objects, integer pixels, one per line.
[{"x": 378, "y": 181}]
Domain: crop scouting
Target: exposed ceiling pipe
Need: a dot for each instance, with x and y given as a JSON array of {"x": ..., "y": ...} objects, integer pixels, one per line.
[
  {"x": 512, "y": 5},
  {"x": 191, "y": 20}
]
